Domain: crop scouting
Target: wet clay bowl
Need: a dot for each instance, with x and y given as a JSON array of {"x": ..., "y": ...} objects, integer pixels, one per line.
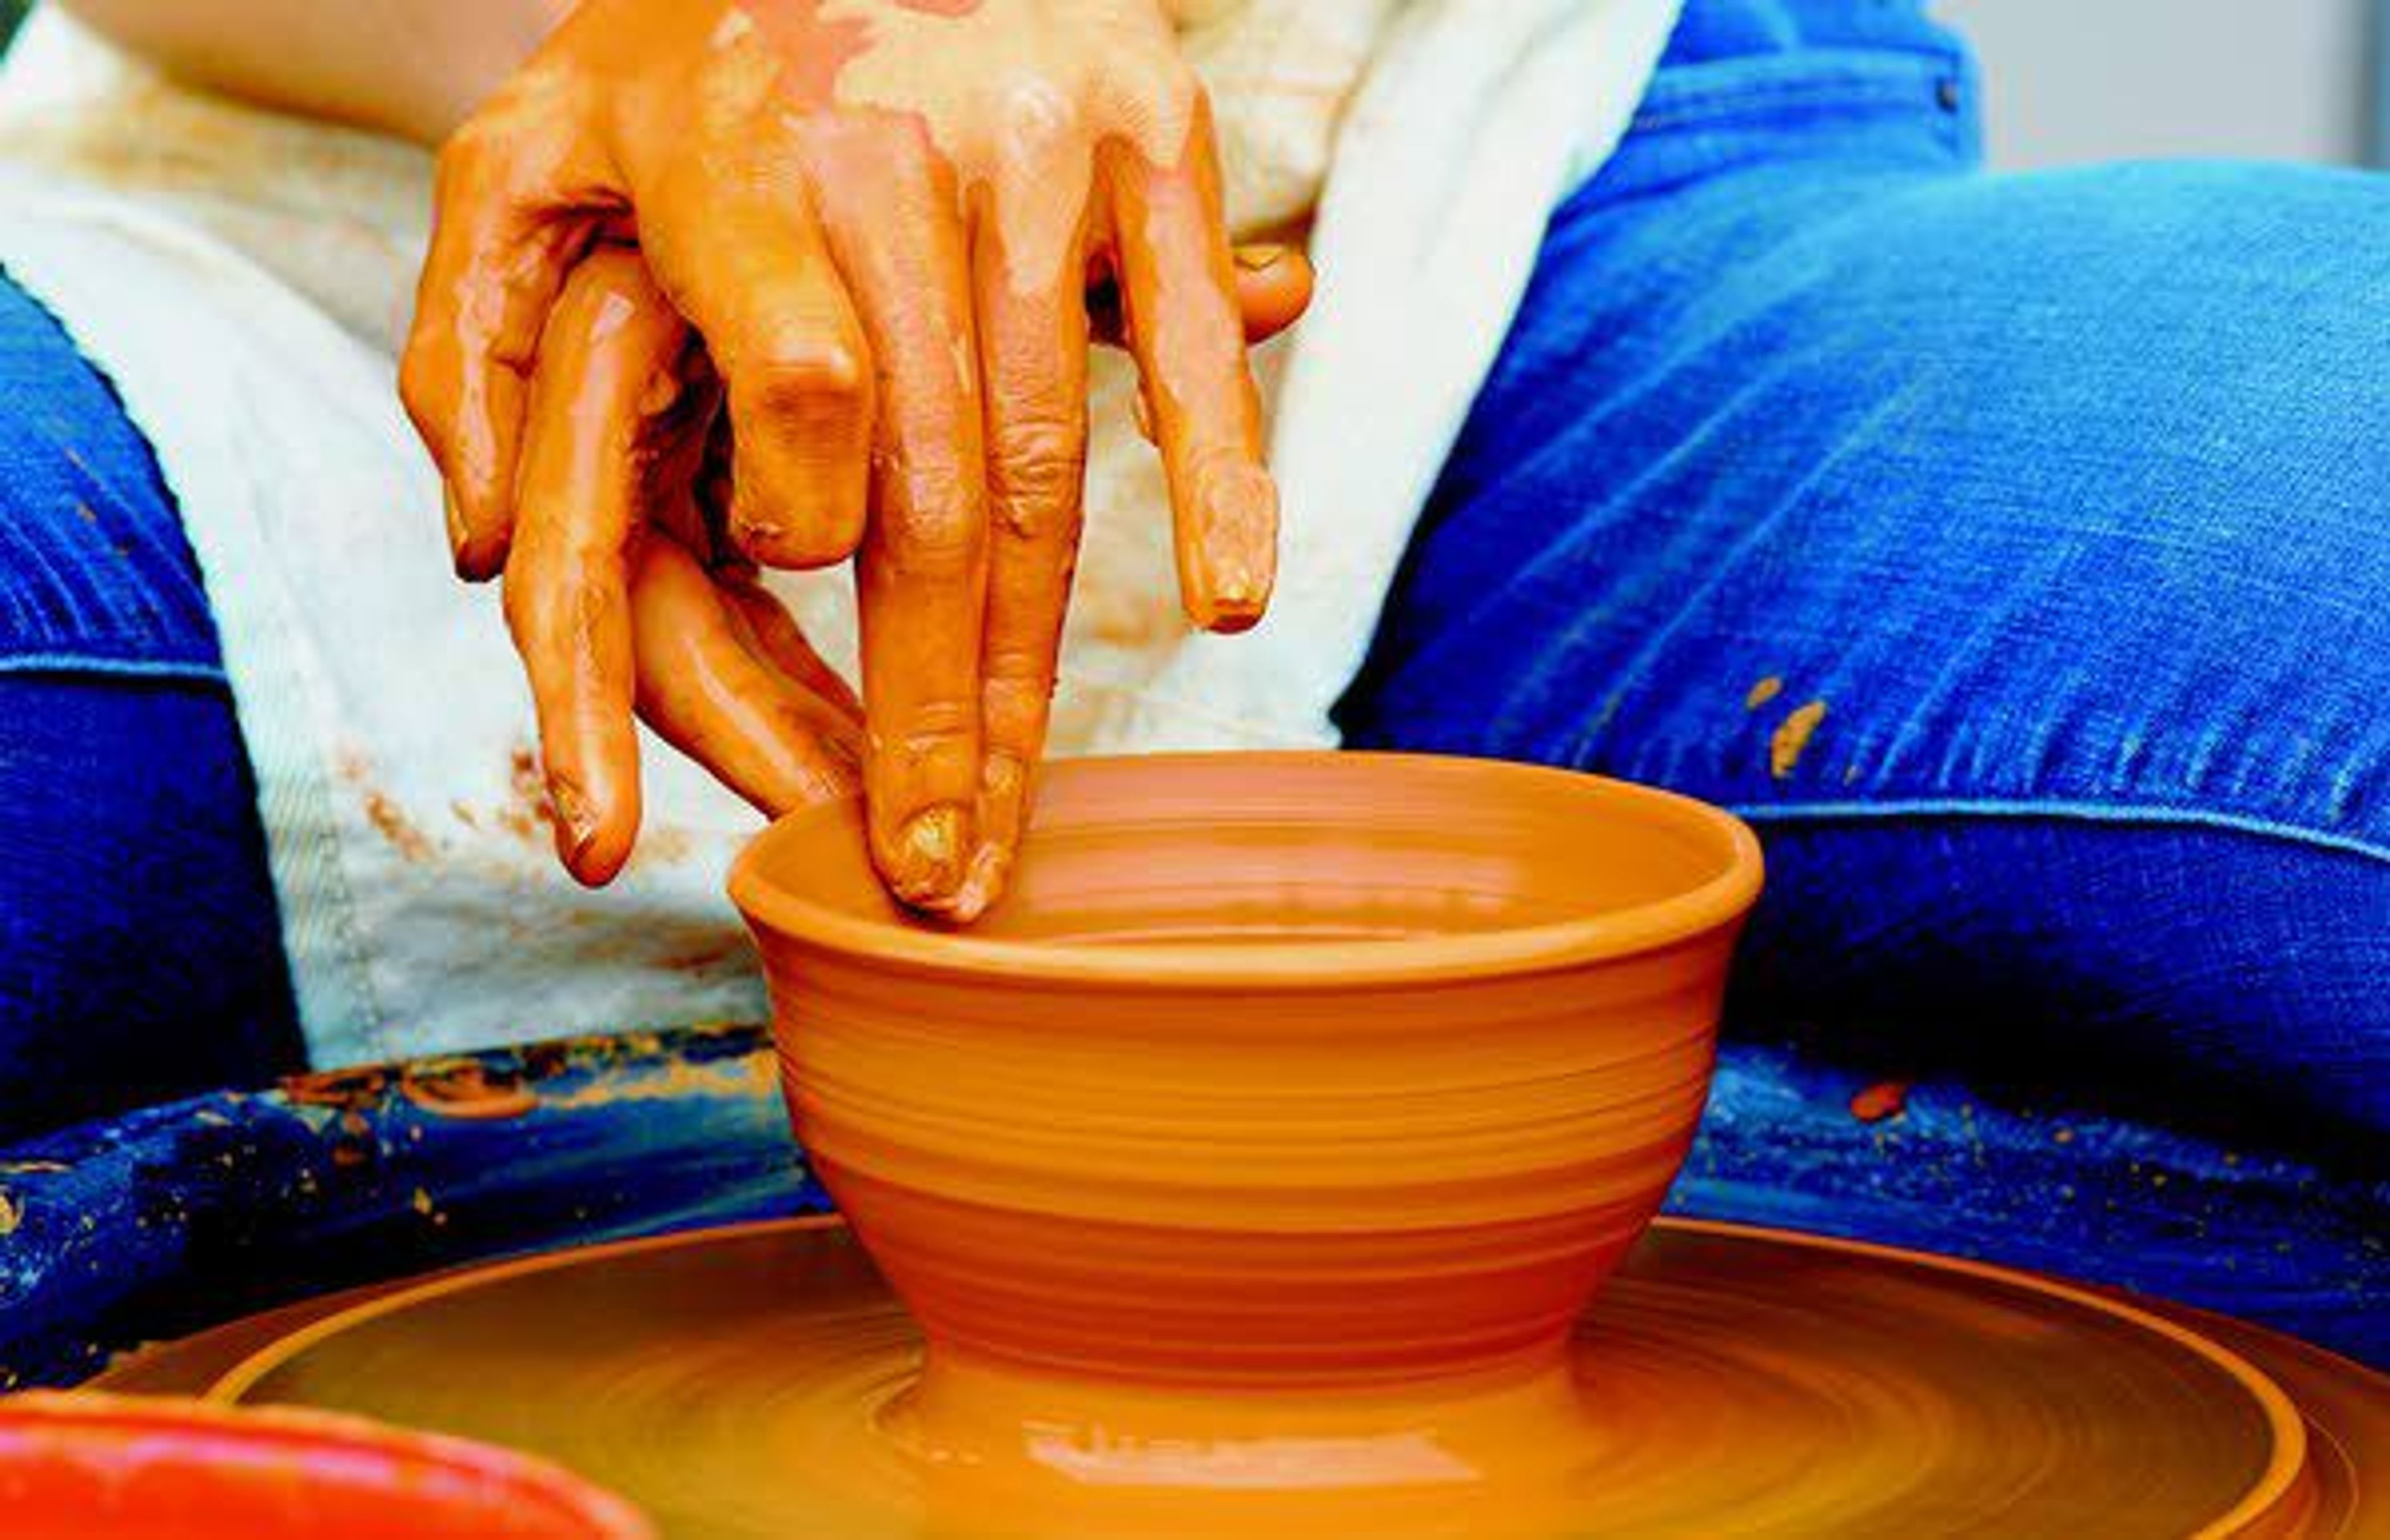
[
  {"x": 77, "y": 1466},
  {"x": 1280, "y": 1087}
]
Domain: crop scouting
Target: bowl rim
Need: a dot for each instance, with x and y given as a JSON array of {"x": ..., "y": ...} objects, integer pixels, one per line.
[
  {"x": 186, "y": 1430},
  {"x": 784, "y": 911}
]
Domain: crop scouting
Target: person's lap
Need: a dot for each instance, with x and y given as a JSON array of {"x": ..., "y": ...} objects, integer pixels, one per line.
[
  {"x": 2002, "y": 544},
  {"x": 140, "y": 954},
  {"x": 2008, "y": 547}
]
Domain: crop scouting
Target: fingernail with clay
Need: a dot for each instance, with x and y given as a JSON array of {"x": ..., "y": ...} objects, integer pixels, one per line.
[
  {"x": 1240, "y": 559},
  {"x": 1260, "y": 259},
  {"x": 471, "y": 561},
  {"x": 576, "y": 821},
  {"x": 931, "y": 852},
  {"x": 981, "y": 888}
]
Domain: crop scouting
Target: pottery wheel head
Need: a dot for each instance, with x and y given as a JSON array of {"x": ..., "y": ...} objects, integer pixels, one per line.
[{"x": 749, "y": 1383}]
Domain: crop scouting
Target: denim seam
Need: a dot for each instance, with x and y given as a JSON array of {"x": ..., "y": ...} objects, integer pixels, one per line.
[
  {"x": 1803, "y": 80},
  {"x": 1707, "y": 112},
  {"x": 83, "y": 664},
  {"x": 1681, "y": 114},
  {"x": 2106, "y": 813}
]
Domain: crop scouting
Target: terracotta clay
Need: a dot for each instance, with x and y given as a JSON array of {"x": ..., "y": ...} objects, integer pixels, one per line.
[
  {"x": 756, "y": 1384},
  {"x": 76, "y": 1466},
  {"x": 880, "y": 217},
  {"x": 1328, "y": 1075}
]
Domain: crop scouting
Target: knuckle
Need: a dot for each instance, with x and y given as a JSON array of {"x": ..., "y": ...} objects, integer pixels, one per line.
[
  {"x": 804, "y": 375},
  {"x": 1036, "y": 113},
  {"x": 903, "y": 147},
  {"x": 939, "y": 533},
  {"x": 1175, "y": 86},
  {"x": 932, "y": 727},
  {"x": 1015, "y": 705},
  {"x": 465, "y": 156},
  {"x": 1037, "y": 476},
  {"x": 423, "y": 391},
  {"x": 546, "y": 609}
]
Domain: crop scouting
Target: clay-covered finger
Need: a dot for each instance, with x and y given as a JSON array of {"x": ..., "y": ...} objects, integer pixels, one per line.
[
  {"x": 891, "y": 207},
  {"x": 1274, "y": 288},
  {"x": 779, "y": 746},
  {"x": 772, "y": 634},
  {"x": 744, "y": 259},
  {"x": 604, "y": 397},
  {"x": 1033, "y": 339},
  {"x": 504, "y": 236},
  {"x": 1179, "y": 292}
]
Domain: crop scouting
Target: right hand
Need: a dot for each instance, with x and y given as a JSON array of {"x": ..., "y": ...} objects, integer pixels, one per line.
[{"x": 881, "y": 226}]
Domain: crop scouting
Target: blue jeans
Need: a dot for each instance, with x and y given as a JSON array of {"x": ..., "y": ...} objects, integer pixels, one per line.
[
  {"x": 140, "y": 953},
  {"x": 2009, "y": 548}
]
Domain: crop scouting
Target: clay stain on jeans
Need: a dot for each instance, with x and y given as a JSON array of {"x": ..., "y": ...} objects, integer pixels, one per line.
[{"x": 1791, "y": 738}]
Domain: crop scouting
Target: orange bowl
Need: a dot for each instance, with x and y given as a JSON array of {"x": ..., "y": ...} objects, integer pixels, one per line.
[
  {"x": 1275, "y": 1071},
  {"x": 77, "y": 1466}
]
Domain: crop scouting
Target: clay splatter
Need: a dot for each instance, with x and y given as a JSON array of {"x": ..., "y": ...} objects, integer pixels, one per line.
[
  {"x": 1763, "y": 692},
  {"x": 464, "y": 1088},
  {"x": 1784, "y": 749},
  {"x": 666, "y": 844},
  {"x": 395, "y": 826},
  {"x": 12, "y": 1213},
  {"x": 1885, "y": 1098},
  {"x": 344, "y": 1089},
  {"x": 705, "y": 960},
  {"x": 531, "y": 819}
]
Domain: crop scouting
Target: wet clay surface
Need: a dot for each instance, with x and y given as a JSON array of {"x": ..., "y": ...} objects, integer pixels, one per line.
[
  {"x": 1278, "y": 1073},
  {"x": 761, "y": 1382}
]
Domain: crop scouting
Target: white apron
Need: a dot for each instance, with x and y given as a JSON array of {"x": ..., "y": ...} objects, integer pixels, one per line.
[{"x": 243, "y": 279}]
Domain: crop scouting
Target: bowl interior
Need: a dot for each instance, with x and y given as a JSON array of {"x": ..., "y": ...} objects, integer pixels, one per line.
[{"x": 1351, "y": 862}]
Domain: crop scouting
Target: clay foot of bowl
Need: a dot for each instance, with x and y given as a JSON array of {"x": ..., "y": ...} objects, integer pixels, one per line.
[{"x": 1275, "y": 1131}]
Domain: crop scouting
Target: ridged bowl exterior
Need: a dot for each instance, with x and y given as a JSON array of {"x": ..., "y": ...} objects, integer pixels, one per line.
[{"x": 1358, "y": 1080}]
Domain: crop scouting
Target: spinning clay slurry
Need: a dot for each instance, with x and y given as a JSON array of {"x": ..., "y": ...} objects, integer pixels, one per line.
[
  {"x": 754, "y": 1383},
  {"x": 880, "y": 220}
]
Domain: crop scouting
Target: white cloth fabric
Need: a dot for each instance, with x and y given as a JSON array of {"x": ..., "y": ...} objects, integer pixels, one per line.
[{"x": 243, "y": 279}]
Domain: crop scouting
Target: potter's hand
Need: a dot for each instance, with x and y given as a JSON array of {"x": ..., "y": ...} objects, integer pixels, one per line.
[
  {"x": 881, "y": 215},
  {"x": 617, "y": 594}
]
